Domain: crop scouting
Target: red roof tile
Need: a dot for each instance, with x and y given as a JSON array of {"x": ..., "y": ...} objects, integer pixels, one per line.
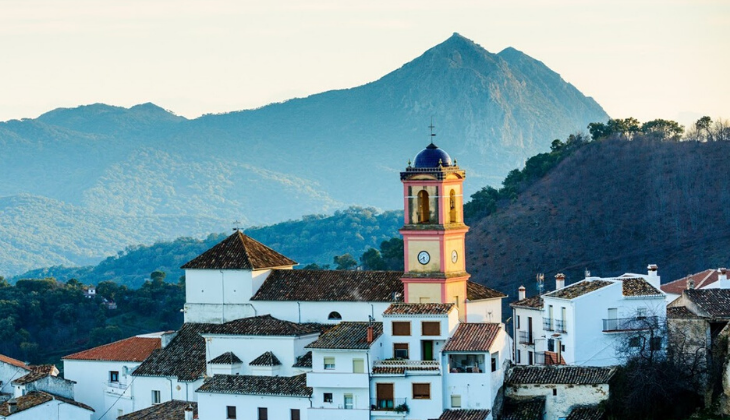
[
  {"x": 134, "y": 349},
  {"x": 14, "y": 362},
  {"x": 472, "y": 337},
  {"x": 239, "y": 252},
  {"x": 419, "y": 309},
  {"x": 701, "y": 280}
]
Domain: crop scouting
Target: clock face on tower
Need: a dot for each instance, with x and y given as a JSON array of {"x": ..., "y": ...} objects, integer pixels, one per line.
[
  {"x": 454, "y": 256},
  {"x": 423, "y": 257}
]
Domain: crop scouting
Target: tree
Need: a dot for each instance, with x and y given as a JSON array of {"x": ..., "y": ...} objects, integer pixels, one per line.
[
  {"x": 372, "y": 260},
  {"x": 345, "y": 262},
  {"x": 392, "y": 252},
  {"x": 315, "y": 266},
  {"x": 663, "y": 129},
  {"x": 703, "y": 128},
  {"x": 158, "y": 276}
]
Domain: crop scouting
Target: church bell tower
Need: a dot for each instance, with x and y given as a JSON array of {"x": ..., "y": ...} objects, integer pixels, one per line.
[{"x": 434, "y": 230}]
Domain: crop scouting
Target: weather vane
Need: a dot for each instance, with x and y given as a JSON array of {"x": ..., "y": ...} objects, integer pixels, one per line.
[
  {"x": 432, "y": 127},
  {"x": 236, "y": 225}
]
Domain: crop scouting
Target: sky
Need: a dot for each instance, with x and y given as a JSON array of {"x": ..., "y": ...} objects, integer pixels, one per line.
[{"x": 642, "y": 58}]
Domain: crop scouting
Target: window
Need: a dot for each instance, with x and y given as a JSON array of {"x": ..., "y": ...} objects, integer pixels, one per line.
[
  {"x": 423, "y": 210},
  {"x": 518, "y": 356},
  {"x": 430, "y": 328},
  {"x": 156, "y": 397},
  {"x": 495, "y": 361},
  {"x": 329, "y": 363},
  {"x": 456, "y": 401},
  {"x": 452, "y": 206},
  {"x": 114, "y": 376},
  {"x": 349, "y": 402},
  {"x": 655, "y": 343},
  {"x": 518, "y": 322},
  {"x": 401, "y": 328},
  {"x": 529, "y": 358},
  {"x": 551, "y": 344},
  {"x": 295, "y": 414},
  {"x": 635, "y": 342},
  {"x": 640, "y": 313},
  {"x": 334, "y": 316},
  {"x": 400, "y": 350},
  {"x": 263, "y": 413},
  {"x": 562, "y": 347},
  {"x": 555, "y": 392},
  {"x": 327, "y": 397},
  {"x": 358, "y": 366},
  {"x": 422, "y": 391},
  {"x": 230, "y": 412},
  {"x": 456, "y": 301}
]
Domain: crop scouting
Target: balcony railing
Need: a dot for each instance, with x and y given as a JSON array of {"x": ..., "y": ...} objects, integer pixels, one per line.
[
  {"x": 560, "y": 325},
  {"x": 547, "y": 324},
  {"x": 630, "y": 324},
  {"x": 548, "y": 358},
  {"x": 407, "y": 363},
  {"x": 398, "y": 405},
  {"x": 526, "y": 337}
]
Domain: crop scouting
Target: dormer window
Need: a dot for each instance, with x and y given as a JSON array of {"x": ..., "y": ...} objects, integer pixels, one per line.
[{"x": 334, "y": 316}]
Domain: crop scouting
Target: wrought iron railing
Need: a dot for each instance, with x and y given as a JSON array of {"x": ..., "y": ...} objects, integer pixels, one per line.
[
  {"x": 560, "y": 325},
  {"x": 389, "y": 404},
  {"x": 526, "y": 337},
  {"x": 631, "y": 324},
  {"x": 547, "y": 324}
]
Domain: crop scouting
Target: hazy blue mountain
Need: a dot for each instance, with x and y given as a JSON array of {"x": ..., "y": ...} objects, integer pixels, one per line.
[{"x": 278, "y": 162}]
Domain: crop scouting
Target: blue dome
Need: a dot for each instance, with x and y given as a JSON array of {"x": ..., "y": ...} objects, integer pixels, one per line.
[{"x": 430, "y": 157}]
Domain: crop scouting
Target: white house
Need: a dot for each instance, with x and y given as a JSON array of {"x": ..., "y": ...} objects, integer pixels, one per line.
[
  {"x": 10, "y": 369},
  {"x": 586, "y": 322},
  {"x": 36, "y": 405}
]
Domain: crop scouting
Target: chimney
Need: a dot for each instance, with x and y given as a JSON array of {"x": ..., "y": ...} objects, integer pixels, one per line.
[
  {"x": 189, "y": 412},
  {"x": 690, "y": 284},
  {"x": 724, "y": 283},
  {"x": 521, "y": 294},
  {"x": 559, "y": 281},
  {"x": 653, "y": 276},
  {"x": 12, "y": 405},
  {"x": 370, "y": 334}
]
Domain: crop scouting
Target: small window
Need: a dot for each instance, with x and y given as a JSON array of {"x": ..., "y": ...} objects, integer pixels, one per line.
[
  {"x": 295, "y": 414},
  {"x": 655, "y": 343},
  {"x": 518, "y": 356},
  {"x": 230, "y": 412},
  {"x": 156, "y": 397},
  {"x": 551, "y": 344},
  {"x": 495, "y": 361},
  {"x": 421, "y": 391},
  {"x": 555, "y": 392},
  {"x": 400, "y": 350},
  {"x": 518, "y": 322},
  {"x": 327, "y": 397},
  {"x": 329, "y": 363},
  {"x": 114, "y": 376},
  {"x": 456, "y": 301},
  {"x": 263, "y": 413},
  {"x": 530, "y": 358},
  {"x": 456, "y": 401},
  {"x": 401, "y": 328},
  {"x": 358, "y": 366},
  {"x": 349, "y": 402},
  {"x": 334, "y": 316},
  {"x": 635, "y": 342},
  {"x": 640, "y": 313},
  {"x": 562, "y": 347},
  {"x": 430, "y": 328}
]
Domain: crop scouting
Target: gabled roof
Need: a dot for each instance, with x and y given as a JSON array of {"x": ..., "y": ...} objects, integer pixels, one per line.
[
  {"x": 348, "y": 336},
  {"x": 304, "y": 361},
  {"x": 266, "y": 359},
  {"x": 523, "y": 409},
  {"x": 472, "y": 337},
  {"x": 170, "y": 410},
  {"x": 715, "y": 303},
  {"x": 133, "y": 349},
  {"x": 579, "y": 289},
  {"x": 680, "y": 312},
  {"x": 532, "y": 302},
  {"x": 561, "y": 374},
  {"x": 36, "y": 373},
  {"x": 637, "y": 286},
  {"x": 464, "y": 415},
  {"x": 419, "y": 308},
  {"x": 283, "y": 386},
  {"x": 476, "y": 291},
  {"x": 701, "y": 281},
  {"x": 36, "y": 398},
  {"x": 227, "y": 358},
  {"x": 265, "y": 325},
  {"x": 330, "y": 286},
  {"x": 14, "y": 362},
  {"x": 587, "y": 413},
  {"x": 239, "y": 252}
]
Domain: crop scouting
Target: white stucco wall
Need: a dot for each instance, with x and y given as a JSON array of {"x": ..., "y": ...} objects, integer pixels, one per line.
[
  {"x": 403, "y": 389},
  {"x": 538, "y": 333},
  {"x": 170, "y": 389},
  {"x": 92, "y": 385},
  {"x": 9, "y": 373},
  {"x": 448, "y": 324},
  {"x": 52, "y": 410},
  {"x": 487, "y": 310},
  {"x": 568, "y": 396},
  {"x": 213, "y": 406}
]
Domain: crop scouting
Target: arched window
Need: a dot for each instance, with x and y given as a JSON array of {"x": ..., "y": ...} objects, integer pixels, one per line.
[
  {"x": 334, "y": 316},
  {"x": 452, "y": 206},
  {"x": 423, "y": 210}
]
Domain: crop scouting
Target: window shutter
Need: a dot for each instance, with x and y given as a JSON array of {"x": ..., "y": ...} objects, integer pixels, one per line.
[
  {"x": 401, "y": 328},
  {"x": 431, "y": 328},
  {"x": 421, "y": 391},
  {"x": 456, "y": 401}
]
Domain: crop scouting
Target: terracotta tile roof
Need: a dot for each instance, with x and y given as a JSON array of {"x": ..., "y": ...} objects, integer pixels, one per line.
[
  {"x": 227, "y": 358},
  {"x": 265, "y": 325},
  {"x": 464, "y": 415},
  {"x": 384, "y": 369},
  {"x": 637, "y": 286},
  {"x": 476, "y": 291},
  {"x": 266, "y": 359},
  {"x": 587, "y": 413},
  {"x": 36, "y": 398},
  {"x": 170, "y": 410},
  {"x": 331, "y": 285},
  {"x": 680, "y": 312},
  {"x": 562, "y": 374},
  {"x": 14, "y": 362},
  {"x": 579, "y": 289},
  {"x": 294, "y": 386},
  {"x": 348, "y": 335},
  {"x": 183, "y": 358},
  {"x": 239, "y": 252},
  {"x": 419, "y": 309},
  {"x": 133, "y": 349},
  {"x": 532, "y": 302},
  {"x": 701, "y": 281},
  {"x": 472, "y": 337},
  {"x": 36, "y": 373},
  {"x": 715, "y": 303},
  {"x": 304, "y": 361},
  {"x": 523, "y": 409}
]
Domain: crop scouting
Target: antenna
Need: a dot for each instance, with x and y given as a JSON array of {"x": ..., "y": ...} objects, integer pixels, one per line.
[
  {"x": 540, "y": 278},
  {"x": 432, "y": 127}
]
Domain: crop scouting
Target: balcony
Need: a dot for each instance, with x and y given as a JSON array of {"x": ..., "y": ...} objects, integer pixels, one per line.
[
  {"x": 400, "y": 366},
  {"x": 394, "y": 405},
  {"x": 560, "y": 325},
  {"x": 526, "y": 337},
  {"x": 636, "y": 323},
  {"x": 547, "y": 358},
  {"x": 118, "y": 389},
  {"x": 547, "y": 324}
]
